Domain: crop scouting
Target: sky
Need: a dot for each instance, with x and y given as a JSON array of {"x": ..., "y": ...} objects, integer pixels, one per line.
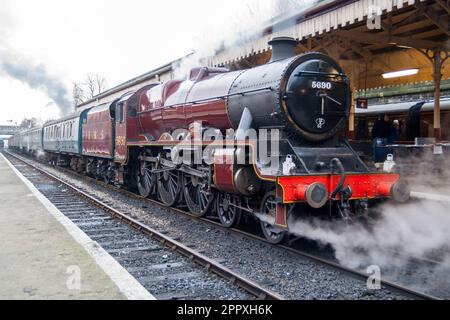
[{"x": 47, "y": 45}]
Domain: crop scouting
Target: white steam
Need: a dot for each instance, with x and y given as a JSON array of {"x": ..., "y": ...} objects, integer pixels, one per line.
[
  {"x": 414, "y": 230},
  {"x": 17, "y": 66},
  {"x": 40, "y": 154},
  {"x": 246, "y": 23}
]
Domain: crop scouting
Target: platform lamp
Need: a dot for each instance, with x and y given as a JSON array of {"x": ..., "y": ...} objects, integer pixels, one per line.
[{"x": 400, "y": 73}]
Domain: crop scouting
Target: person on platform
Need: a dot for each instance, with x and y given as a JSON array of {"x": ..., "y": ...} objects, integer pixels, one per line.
[
  {"x": 382, "y": 128},
  {"x": 395, "y": 132},
  {"x": 381, "y": 133}
]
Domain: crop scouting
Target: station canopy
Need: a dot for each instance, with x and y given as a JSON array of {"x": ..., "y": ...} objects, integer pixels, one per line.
[
  {"x": 349, "y": 29},
  {"x": 369, "y": 39}
]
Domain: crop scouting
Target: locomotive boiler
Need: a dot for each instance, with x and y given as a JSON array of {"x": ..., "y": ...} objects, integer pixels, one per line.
[{"x": 308, "y": 95}]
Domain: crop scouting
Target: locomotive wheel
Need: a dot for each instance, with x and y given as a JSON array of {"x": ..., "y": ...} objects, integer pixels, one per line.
[
  {"x": 169, "y": 187},
  {"x": 198, "y": 197},
  {"x": 108, "y": 176},
  {"x": 268, "y": 210},
  {"x": 229, "y": 215},
  {"x": 99, "y": 170},
  {"x": 145, "y": 179}
]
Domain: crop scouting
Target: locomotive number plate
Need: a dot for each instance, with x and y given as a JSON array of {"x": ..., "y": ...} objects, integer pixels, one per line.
[{"x": 321, "y": 85}]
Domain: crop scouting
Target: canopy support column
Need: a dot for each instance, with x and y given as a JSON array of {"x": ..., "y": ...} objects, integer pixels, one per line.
[
  {"x": 351, "y": 119},
  {"x": 437, "y": 57},
  {"x": 437, "y": 76}
]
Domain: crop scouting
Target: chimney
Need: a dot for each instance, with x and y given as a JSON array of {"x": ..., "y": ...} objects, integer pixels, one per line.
[{"x": 282, "y": 48}]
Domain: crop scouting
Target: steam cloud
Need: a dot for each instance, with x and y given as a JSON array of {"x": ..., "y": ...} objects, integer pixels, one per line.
[
  {"x": 415, "y": 230},
  {"x": 420, "y": 229},
  {"x": 244, "y": 25},
  {"x": 36, "y": 76}
]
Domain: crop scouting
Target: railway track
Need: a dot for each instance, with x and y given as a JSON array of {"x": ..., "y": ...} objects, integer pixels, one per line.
[
  {"x": 210, "y": 264},
  {"x": 146, "y": 253}
]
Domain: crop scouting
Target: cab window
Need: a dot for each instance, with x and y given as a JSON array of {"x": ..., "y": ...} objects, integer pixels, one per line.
[{"x": 119, "y": 113}]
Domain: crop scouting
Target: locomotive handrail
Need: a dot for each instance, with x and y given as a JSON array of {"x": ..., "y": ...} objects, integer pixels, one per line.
[
  {"x": 243, "y": 93},
  {"x": 331, "y": 75},
  {"x": 209, "y": 99}
]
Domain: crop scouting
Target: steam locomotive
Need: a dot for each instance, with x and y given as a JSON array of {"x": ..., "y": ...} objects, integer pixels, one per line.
[{"x": 152, "y": 140}]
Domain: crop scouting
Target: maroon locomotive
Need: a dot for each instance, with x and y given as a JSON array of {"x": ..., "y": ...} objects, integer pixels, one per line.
[{"x": 302, "y": 102}]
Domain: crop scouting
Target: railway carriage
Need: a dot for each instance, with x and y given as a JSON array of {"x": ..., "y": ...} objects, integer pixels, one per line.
[
  {"x": 12, "y": 141},
  {"x": 31, "y": 141},
  {"x": 418, "y": 115},
  {"x": 28, "y": 141},
  {"x": 62, "y": 138}
]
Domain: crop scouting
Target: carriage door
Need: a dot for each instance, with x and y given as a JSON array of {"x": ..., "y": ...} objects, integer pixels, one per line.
[{"x": 120, "y": 154}]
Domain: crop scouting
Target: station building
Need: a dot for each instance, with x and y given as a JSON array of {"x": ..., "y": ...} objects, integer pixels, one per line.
[{"x": 161, "y": 74}]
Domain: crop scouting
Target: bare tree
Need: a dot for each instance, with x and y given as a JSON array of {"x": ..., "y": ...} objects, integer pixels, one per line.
[
  {"x": 101, "y": 83},
  {"x": 78, "y": 94},
  {"x": 94, "y": 85},
  {"x": 28, "y": 123}
]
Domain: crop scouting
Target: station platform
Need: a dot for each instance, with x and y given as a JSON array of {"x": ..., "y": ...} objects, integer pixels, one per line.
[{"x": 43, "y": 255}]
